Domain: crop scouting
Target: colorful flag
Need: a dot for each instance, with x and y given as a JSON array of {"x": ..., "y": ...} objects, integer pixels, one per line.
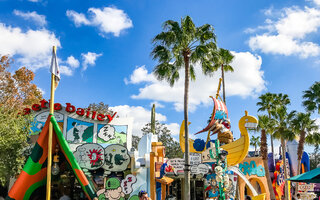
[
  {"x": 55, "y": 67},
  {"x": 34, "y": 173}
]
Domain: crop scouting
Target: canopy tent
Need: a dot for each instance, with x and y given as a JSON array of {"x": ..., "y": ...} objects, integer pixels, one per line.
[
  {"x": 34, "y": 173},
  {"x": 312, "y": 176}
]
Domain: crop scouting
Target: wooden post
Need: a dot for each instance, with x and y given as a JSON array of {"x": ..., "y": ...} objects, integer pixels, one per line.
[{"x": 152, "y": 176}]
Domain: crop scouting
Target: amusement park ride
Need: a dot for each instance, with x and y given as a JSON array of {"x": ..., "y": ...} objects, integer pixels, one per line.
[{"x": 127, "y": 171}]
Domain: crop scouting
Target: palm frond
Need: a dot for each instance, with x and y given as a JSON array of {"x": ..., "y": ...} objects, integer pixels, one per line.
[
  {"x": 228, "y": 68},
  {"x": 165, "y": 38},
  {"x": 163, "y": 71},
  {"x": 188, "y": 27},
  {"x": 312, "y": 98},
  {"x": 161, "y": 53},
  {"x": 205, "y": 33},
  {"x": 192, "y": 73}
]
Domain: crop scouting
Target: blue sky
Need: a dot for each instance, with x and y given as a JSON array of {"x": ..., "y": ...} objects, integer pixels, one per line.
[{"x": 104, "y": 53}]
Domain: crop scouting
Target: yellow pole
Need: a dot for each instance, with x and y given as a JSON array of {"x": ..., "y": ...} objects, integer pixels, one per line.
[
  {"x": 48, "y": 196},
  {"x": 218, "y": 90}
]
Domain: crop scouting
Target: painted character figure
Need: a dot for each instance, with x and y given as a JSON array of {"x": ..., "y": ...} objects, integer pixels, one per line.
[
  {"x": 75, "y": 132},
  {"x": 212, "y": 186},
  {"x": 117, "y": 158},
  {"x": 112, "y": 191}
]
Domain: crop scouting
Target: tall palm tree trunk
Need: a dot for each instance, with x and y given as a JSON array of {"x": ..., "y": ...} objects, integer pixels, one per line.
[
  {"x": 264, "y": 154},
  {"x": 186, "y": 94},
  {"x": 272, "y": 149},
  {"x": 271, "y": 140},
  {"x": 283, "y": 151},
  {"x": 223, "y": 87},
  {"x": 300, "y": 149}
]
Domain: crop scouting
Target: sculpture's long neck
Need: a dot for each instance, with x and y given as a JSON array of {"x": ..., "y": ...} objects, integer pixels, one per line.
[{"x": 242, "y": 127}]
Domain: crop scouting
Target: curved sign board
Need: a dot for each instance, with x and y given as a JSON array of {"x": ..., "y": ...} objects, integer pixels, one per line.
[{"x": 83, "y": 126}]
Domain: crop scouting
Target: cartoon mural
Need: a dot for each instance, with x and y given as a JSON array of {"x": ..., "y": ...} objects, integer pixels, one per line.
[
  {"x": 112, "y": 191},
  {"x": 116, "y": 189},
  {"x": 126, "y": 184},
  {"x": 90, "y": 156},
  {"x": 40, "y": 120},
  {"x": 117, "y": 158},
  {"x": 79, "y": 131},
  {"x": 112, "y": 134}
]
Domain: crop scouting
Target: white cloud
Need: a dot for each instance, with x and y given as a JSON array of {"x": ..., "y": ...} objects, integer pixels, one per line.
[
  {"x": 65, "y": 70},
  {"x": 298, "y": 23},
  {"x": 246, "y": 80},
  {"x": 108, "y": 20},
  {"x": 286, "y": 34},
  {"x": 174, "y": 128},
  {"x": 73, "y": 62},
  {"x": 33, "y": 16},
  {"x": 317, "y": 2},
  {"x": 139, "y": 75},
  {"x": 157, "y": 104},
  {"x": 141, "y": 117},
  {"x": 32, "y": 48},
  {"x": 283, "y": 45},
  {"x": 34, "y": 0},
  {"x": 111, "y": 20},
  {"x": 78, "y": 18},
  {"x": 89, "y": 59}
]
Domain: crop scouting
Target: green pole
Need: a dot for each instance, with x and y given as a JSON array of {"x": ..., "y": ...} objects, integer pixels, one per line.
[{"x": 153, "y": 119}]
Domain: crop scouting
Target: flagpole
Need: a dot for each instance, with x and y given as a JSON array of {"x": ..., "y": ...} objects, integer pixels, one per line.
[{"x": 48, "y": 194}]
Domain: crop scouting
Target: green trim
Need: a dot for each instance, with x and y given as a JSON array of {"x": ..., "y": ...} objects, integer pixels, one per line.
[
  {"x": 33, "y": 187},
  {"x": 73, "y": 162}
]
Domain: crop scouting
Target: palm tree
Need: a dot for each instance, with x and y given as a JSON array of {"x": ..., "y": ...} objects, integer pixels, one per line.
[
  {"x": 266, "y": 125},
  {"x": 182, "y": 46},
  {"x": 255, "y": 141},
  {"x": 281, "y": 100},
  {"x": 223, "y": 58},
  {"x": 284, "y": 132},
  {"x": 266, "y": 103},
  {"x": 304, "y": 125},
  {"x": 312, "y": 98},
  {"x": 313, "y": 139}
]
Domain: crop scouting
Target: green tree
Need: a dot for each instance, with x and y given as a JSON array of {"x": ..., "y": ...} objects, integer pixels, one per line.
[
  {"x": 223, "y": 58},
  {"x": 312, "y": 98},
  {"x": 135, "y": 141},
  {"x": 304, "y": 125},
  {"x": 314, "y": 158},
  {"x": 16, "y": 92},
  {"x": 266, "y": 103},
  {"x": 255, "y": 141},
  {"x": 182, "y": 46},
  {"x": 101, "y": 108},
  {"x": 314, "y": 139},
  {"x": 172, "y": 147},
  {"x": 284, "y": 132},
  {"x": 266, "y": 125},
  {"x": 14, "y": 131}
]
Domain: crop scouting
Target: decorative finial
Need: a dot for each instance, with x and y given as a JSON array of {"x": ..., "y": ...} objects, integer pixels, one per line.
[{"x": 246, "y": 113}]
